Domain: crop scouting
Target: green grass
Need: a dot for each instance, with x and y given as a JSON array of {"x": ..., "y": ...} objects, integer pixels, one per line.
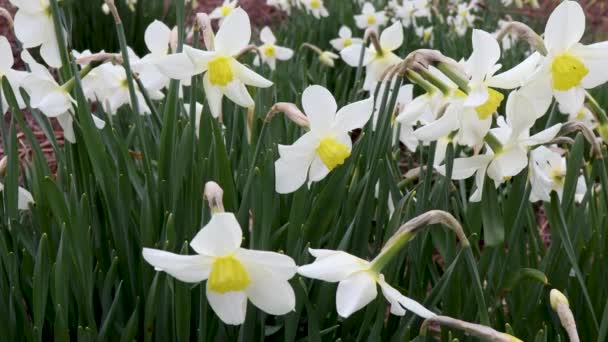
[{"x": 71, "y": 267}]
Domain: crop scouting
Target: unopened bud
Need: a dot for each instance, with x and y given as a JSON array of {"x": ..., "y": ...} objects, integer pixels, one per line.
[
  {"x": 290, "y": 110},
  {"x": 204, "y": 22},
  {"x": 556, "y": 297},
  {"x": 560, "y": 304},
  {"x": 173, "y": 39},
  {"x": 214, "y": 195},
  {"x": 3, "y": 165}
]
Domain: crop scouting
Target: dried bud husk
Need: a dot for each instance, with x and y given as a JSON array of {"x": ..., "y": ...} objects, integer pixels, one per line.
[
  {"x": 214, "y": 195},
  {"x": 292, "y": 112},
  {"x": 6, "y": 15},
  {"x": 480, "y": 331},
  {"x": 3, "y": 166},
  {"x": 523, "y": 31},
  {"x": 573, "y": 126}
]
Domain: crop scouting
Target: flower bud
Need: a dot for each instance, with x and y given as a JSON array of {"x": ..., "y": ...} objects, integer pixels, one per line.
[
  {"x": 173, "y": 38},
  {"x": 290, "y": 110},
  {"x": 560, "y": 304},
  {"x": 214, "y": 194},
  {"x": 3, "y": 165}
]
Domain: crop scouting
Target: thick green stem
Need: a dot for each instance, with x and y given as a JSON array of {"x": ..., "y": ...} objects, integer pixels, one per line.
[
  {"x": 493, "y": 142},
  {"x": 455, "y": 76}
]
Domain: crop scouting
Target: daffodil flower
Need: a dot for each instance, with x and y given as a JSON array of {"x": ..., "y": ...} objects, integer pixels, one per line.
[
  {"x": 233, "y": 274},
  {"x": 24, "y": 197},
  {"x": 357, "y": 283},
  {"x": 410, "y": 10},
  {"x": 223, "y": 74},
  {"x": 113, "y": 89},
  {"x": 345, "y": 39},
  {"x": 283, "y": 5},
  {"x": 426, "y": 34},
  {"x": 269, "y": 51},
  {"x": 512, "y": 156},
  {"x": 376, "y": 62},
  {"x": 569, "y": 67},
  {"x": 316, "y": 8},
  {"x": 326, "y": 146},
  {"x": 463, "y": 18},
  {"x": 547, "y": 174},
  {"x": 34, "y": 27},
  {"x": 223, "y": 11},
  {"x": 471, "y": 115},
  {"x": 14, "y": 77},
  {"x": 369, "y": 18}
]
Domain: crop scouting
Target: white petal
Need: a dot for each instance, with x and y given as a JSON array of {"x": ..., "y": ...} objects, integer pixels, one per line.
[
  {"x": 508, "y": 163},
  {"x": 486, "y": 54},
  {"x": 177, "y": 66},
  {"x": 320, "y": 107},
  {"x": 237, "y": 92},
  {"x": 477, "y": 97},
  {"x": 33, "y": 29},
  {"x": 199, "y": 58},
  {"x": 290, "y": 174},
  {"x": 266, "y": 36},
  {"x": 392, "y": 37},
  {"x": 234, "y": 33},
  {"x": 398, "y": 301},
  {"x": 595, "y": 58},
  {"x": 214, "y": 96},
  {"x": 29, "y": 5},
  {"x": 332, "y": 266},
  {"x": 49, "y": 51},
  {"x": 248, "y": 76},
  {"x": 438, "y": 128},
  {"x": 230, "y": 307},
  {"x": 518, "y": 75},
  {"x": 283, "y": 53},
  {"x": 570, "y": 101},
  {"x": 281, "y": 266},
  {"x": 6, "y": 55},
  {"x": 24, "y": 198},
  {"x": 187, "y": 268},
  {"x": 543, "y": 136},
  {"x": 355, "y": 292},
  {"x": 464, "y": 168},
  {"x": 565, "y": 27},
  {"x": 270, "y": 294},
  {"x": 221, "y": 236},
  {"x": 354, "y": 115},
  {"x": 157, "y": 37},
  {"x": 352, "y": 55},
  {"x": 345, "y": 32},
  {"x": 318, "y": 170},
  {"x": 66, "y": 122}
]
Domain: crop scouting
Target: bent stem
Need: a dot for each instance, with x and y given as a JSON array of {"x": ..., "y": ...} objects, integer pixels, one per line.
[{"x": 480, "y": 331}]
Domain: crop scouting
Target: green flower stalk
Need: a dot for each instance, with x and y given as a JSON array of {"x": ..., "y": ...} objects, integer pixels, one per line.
[{"x": 524, "y": 32}]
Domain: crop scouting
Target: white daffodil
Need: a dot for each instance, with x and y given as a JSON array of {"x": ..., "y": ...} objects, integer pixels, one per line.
[
  {"x": 113, "y": 89},
  {"x": 584, "y": 116},
  {"x": 328, "y": 58},
  {"x": 345, "y": 39},
  {"x": 158, "y": 39},
  {"x": 316, "y": 8},
  {"x": 369, "y": 18},
  {"x": 198, "y": 112},
  {"x": 357, "y": 283},
  {"x": 463, "y": 19},
  {"x": 223, "y": 74},
  {"x": 269, "y": 51},
  {"x": 24, "y": 197},
  {"x": 547, "y": 174},
  {"x": 14, "y": 77},
  {"x": 426, "y": 34},
  {"x": 326, "y": 145},
  {"x": 410, "y": 10},
  {"x": 34, "y": 27},
  {"x": 233, "y": 274},
  {"x": 376, "y": 62},
  {"x": 471, "y": 114},
  {"x": 512, "y": 156},
  {"x": 223, "y": 11},
  {"x": 569, "y": 67},
  {"x": 283, "y": 5},
  {"x": 509, "y": 38}
]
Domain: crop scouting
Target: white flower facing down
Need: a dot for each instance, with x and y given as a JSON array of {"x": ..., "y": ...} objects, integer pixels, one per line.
[
  {"x": 369, "y": 18},
  {"x": 269, "y": 51},
  {"x": 345, "y": 39},
  {"x": 569, "y": 67},
  {"x": 228, "y": 6},
  {"x": 326, "y": 145},
  {"x": 315, "y": 7},
  {"x": 357, "y": 283},
  {"x": 376, "y": 62},
  {"x": 34, "y": 27},
  {"x": 223, "y": 74},
  {"x": 471, "y": 115},
  {"x": 14, "y": 77},
  {"x": 513, "y": 133},
  {"x": 24, "y": 197},
  {"x": 233, "y": 274}
]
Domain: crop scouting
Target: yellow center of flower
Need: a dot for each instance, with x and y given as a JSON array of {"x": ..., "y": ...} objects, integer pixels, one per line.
[
  {"x": 225, "y": 10},
  {"x": 426, "y": 35},
  {"x": 494, "y": 100},
  {"x": 568, "y": 71},
  {"x": 270, "y": 51},
  {"x": 220, "y": 71},
  {"x": 581, "y": 114},
  {"x": 228, "y": 274},
  {"x": 347, "y": 42},
  {"x": 558, "y": 175},
  {"x": 332, "y": 152},
  {"x": 371, "y": 20},
  {"x": 315, "y": 3}
]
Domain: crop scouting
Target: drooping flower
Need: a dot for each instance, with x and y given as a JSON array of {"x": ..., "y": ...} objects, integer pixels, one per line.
[
  {"x": 326, "y": 146},
  {"x": 345, "y": 39},
  {"x": 370, "y": 18},
  {"x": 233, "y": 274},
  {"x": 569, "y": 67},
  {"x": 224, "y": 10},
  {"x": 269, "y": 51},
  {"x": 511, "y": 157},
  {"x": 34, "y": 27},
  {"x": 223, "y": 74},
  {"x": 14, "y": 77},
  {"x": 357, "y": 283},
  {"x": 376, "y": 62}
]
